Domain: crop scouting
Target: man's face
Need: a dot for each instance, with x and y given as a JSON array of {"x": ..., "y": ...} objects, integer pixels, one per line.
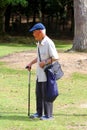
[{"x": 37, "y": 35}]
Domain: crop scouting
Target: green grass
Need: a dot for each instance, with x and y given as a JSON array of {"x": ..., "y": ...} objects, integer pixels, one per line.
[
  {"x": 9, "y": 48},
  {"x": 26, "y": 44},
  {"x": 69, "y": 111},
  {"x": 63, "y": 45}
]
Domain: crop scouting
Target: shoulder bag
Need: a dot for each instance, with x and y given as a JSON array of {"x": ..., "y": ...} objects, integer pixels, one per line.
[{"x": 51, "y": 87}]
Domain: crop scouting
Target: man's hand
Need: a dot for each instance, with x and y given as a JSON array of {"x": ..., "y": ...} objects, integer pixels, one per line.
[
  {"x": 42, "y": 64},
  {"x": 28, "y": 67}
]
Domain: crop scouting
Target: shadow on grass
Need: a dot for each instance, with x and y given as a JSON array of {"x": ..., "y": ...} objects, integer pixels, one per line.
[
  {"x": 23, "y": 117},
  {"x": 16, "y": 117},
  {"x": 79, "y": 115}
]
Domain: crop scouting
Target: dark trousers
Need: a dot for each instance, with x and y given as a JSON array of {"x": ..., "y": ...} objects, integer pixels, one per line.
[{"x": 42, "y": 106}]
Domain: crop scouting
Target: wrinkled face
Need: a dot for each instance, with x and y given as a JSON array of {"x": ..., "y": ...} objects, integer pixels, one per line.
[{"x": 37, "y": 35}]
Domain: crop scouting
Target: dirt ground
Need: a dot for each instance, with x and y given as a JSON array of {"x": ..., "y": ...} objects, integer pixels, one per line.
[{"x": 71, "y": 62}]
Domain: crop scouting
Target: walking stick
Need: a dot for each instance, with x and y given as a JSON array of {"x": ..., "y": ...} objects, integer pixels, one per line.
[
  {"x": 29, "y": 93},
  {"x": 29, "y": 76}
]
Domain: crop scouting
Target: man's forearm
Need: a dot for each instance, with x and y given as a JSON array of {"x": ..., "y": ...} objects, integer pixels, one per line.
[
  {"x": 50, "y": 60},
  {"x": 33, "y": 61}
]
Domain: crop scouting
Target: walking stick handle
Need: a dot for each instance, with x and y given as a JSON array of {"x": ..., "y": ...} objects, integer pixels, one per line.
[{"x": 28, "y": 67}]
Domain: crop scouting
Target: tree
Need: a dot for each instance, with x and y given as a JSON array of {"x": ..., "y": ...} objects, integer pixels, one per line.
[
  {"x": 3, "y": 6},
  {"x": 80, "y": 30}
]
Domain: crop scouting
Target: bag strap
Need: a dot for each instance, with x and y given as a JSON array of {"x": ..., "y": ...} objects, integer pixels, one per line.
[{"x": 39, "y": 53}]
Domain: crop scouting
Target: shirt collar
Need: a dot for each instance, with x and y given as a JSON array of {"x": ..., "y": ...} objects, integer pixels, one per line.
[{"x": 41, "y": 43}]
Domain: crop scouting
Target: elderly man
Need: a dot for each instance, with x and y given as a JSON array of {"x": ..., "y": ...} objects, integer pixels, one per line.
[{"x": 46, "y": 54}]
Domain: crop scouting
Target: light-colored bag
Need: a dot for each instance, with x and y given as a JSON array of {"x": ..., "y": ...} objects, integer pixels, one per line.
[{"x": 56, "y": 69}]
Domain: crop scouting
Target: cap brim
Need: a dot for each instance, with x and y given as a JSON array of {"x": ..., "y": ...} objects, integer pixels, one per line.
[
  {"x": 32, "y": 29},
  {"x": 37, "y": 26}
]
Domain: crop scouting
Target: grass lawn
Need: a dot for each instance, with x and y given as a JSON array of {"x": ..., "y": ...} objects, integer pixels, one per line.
[
  {"x": 70, "y": 108},
  {"x": 26, "y": 44}
]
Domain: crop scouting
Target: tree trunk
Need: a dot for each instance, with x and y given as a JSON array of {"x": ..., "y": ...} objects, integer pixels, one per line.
[
  {"x": 2, "y": 20},
  {"x": 7, "y": 18},
  {"x": 80, "y": 30}
]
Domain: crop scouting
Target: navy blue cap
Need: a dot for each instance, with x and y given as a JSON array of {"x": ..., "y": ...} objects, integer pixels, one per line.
[{"x": 38, "y": 26}]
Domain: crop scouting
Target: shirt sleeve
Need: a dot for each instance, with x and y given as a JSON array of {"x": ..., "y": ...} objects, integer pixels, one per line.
[{"x": 52, "y": 50}]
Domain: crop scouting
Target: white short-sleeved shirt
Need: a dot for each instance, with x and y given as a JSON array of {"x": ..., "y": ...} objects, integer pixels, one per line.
[{"x": 47, "y": 49}]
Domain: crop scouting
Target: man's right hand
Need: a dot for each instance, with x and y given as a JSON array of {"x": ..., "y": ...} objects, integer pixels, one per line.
[{"x": 28, "y": 67}]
